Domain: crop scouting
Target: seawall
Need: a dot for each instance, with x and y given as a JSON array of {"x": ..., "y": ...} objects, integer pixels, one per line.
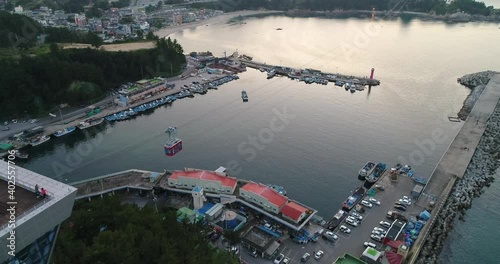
[{"x": 452, "y": 175}]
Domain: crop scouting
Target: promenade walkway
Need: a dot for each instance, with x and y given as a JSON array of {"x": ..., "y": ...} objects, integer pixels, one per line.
[{"x": 455, "y": 161}]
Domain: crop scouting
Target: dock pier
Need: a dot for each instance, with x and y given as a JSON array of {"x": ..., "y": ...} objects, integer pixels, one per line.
[{"x": 311, "y": 73}]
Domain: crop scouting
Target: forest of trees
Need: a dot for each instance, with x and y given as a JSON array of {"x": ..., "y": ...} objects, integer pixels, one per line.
[
  {"x": 105, "y": 231},
  {"x": 18, "y": 31},
  {"x": 36, "y": 84},
  {"x": 437, "y": 6}
]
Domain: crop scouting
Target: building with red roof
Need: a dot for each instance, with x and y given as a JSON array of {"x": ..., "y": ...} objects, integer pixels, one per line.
[
  {"x": 210, "y": 181},
  {"x": 264, "y": 196},
  {"x": 294, "y": 212}
]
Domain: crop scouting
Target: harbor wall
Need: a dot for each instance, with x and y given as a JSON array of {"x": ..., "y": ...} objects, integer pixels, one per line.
[{"x": 449, "y": 183}]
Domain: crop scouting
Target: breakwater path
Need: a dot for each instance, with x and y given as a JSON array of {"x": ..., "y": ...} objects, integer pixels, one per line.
[{"x": 455, "y": 161}]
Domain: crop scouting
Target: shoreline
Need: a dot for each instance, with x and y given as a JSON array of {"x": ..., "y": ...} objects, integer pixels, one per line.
[{"x": 226, "y": 17}]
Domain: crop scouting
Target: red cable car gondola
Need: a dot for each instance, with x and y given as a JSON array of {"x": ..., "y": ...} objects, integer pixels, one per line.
[{"x": 173, "y": 144}]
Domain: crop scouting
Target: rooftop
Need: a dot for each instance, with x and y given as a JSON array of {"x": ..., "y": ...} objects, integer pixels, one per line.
[
  {"x": 349, "y": 259},
  {"x": 24, "y": 193},
  {"x": 293, "y": 210},
  {"x": 262, "y": 190},
  {"x": 131, "y": 178},
  {"x": 205, "y": 175},
  {"x": 258, "y": 237},
  {"x": 25, "y": 199}
]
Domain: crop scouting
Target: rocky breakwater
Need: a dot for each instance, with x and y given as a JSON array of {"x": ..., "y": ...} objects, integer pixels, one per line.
[
  {"x": 478, "y": 175},
  {"x": 477, "y": 82}
]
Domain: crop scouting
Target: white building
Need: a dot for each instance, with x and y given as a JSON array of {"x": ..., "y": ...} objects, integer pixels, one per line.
[
  {"x": 18, "y": 10},
  {"x": 264, "y": 196},
  {"x": 36, "y": 222},
  {"x": 294, "y": 212},
  {"x": 208, "y": 180}
]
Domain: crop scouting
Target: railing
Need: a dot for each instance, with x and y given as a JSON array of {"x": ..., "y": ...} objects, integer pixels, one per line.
[{"x": 27, "y": 186}]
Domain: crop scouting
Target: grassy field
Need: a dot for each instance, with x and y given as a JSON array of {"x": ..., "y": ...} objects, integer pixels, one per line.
[{"x": 11, "y": 53}]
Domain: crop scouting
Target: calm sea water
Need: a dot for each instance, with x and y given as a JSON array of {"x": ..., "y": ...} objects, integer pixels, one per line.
[
  {"x": 495, "y": 3},
  {"x": 327, "y": 134}
]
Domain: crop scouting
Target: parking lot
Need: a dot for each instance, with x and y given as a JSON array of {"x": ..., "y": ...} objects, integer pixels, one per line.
[{"x": 349, "y": 243}]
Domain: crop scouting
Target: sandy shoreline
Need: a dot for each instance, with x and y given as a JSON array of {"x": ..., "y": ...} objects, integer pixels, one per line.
[{"x": 164, "y": 32}]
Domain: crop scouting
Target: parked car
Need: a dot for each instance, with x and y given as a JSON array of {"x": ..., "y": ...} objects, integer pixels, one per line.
[
  {"x": 319, "y": 254},
  {"x": 374, "y": 201},
  {"x": 305, "y": 257},
  {"x": 253, "y": 253},
  {"x": 376, "y": 238},
  {"x": 369, "y": 244},
  {"x": 377, "y": 233},
  {"x": 344, "y": 229},
  {"x": 399, "y": 207},
  {"x": 286, "y": 261},
  {"x": 357, "y": 216},
  {"x": 366, "y": 203},
  {"x": 385, "y": 224},
  {"x": 330, "y": 235},
  {"x": 380, "y": 187},
  {"x": 399, "y": 203},
  {"x": 405, "y": 201},
  {"x": 350, "y": 221},
  {"x": 379, "y": 229},
  {"x": 279, "y": 259}
]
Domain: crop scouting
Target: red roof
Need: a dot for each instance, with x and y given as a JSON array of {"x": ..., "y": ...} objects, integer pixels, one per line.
[
  {"x": 293, "y": 210},
  {"x": 205, "y": 175},
  {"x": 393, "y": 257},
  {"x": 266, "y": 192}
]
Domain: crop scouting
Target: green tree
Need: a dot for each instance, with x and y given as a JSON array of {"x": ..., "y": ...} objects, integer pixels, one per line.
[
  {"x": 233, "y": 237},
  {"x": 140, "y": 33},
  {"x": 105, "y": 231}
]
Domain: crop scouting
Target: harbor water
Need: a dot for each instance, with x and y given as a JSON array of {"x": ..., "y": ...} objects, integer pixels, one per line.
[{"x": 312, "y": 139}]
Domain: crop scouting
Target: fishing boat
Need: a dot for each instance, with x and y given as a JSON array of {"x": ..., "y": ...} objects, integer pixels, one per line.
[
  {"x": 376, "y": 173},
  {"x": 353, "y": 199},
  {"x": 244, "y": 96},
  {"x": 40, "y": 140},
  {"x": 271, "y": 73},
  {"x": 278, "y": 189},
  {"x": 65, "y": 131},
  {"x": 90, "y": 123},
  {"x": 366, "y": 170},
  {"x": 20, "y": 155}
]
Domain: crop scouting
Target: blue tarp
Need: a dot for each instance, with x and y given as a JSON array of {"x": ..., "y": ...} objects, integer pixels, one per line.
[
  {"x": 425, "y": 215},
  {"x": 205, "y": 208},
  {"x": 265, "y": 229}
]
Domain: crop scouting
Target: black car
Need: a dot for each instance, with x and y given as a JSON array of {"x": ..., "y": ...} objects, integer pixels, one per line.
[
  {"x": 401, "y": 208},
  {"x": 400, "y": 204}
]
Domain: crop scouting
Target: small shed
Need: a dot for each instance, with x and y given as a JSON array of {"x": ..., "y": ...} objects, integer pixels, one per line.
[{"x": 417, "y": 190}]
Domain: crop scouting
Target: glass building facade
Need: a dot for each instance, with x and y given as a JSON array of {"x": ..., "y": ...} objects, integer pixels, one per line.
[{"x": 38, "y": 252}]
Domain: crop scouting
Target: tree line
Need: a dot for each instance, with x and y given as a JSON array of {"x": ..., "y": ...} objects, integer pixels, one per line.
[
  {"x": 36, "y": 84},
  {"x": 436, "y": 6},
  {"x": 106, "y": 231},
  {"x": 18, "y": 31}
]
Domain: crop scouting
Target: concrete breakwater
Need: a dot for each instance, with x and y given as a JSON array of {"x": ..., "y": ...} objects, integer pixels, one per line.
[
  {"x": 477, "y": 82},
  {"x": 485, "y": 161}
]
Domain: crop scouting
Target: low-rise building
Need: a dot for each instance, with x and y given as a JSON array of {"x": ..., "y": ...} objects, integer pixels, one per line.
[
  {"x": 208, "y": 180},
  {"x": 263, "y": 196},
  {"x": 142, "y": 89},
  {"x": 294, "y": 212}
]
